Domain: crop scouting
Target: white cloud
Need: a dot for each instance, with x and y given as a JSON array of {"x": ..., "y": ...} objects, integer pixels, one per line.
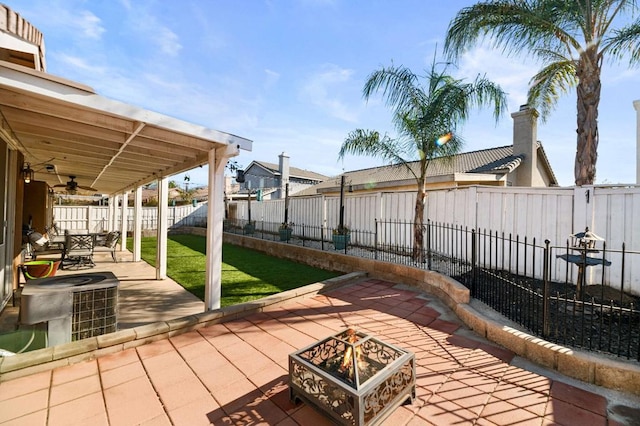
[
  {"x": 90, "y": 25},
  {"x": 80, "y": 63},
  {"x": 168, "y": 41},
  {"x": 323, "y": 88},
  {"x": 511, "y": 73},
  {"x": 271, "y": 78},
  {"x": 146, "y": 24}
]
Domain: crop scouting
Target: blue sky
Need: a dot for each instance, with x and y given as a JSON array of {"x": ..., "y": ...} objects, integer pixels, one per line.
[{"x": 288, "y": 74}]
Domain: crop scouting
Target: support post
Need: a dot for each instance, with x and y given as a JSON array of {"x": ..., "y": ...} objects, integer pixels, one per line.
[{"x": 163, "y": 210}]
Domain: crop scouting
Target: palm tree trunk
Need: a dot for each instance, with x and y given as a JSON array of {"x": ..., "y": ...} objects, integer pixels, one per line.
[
  {"x": 418, "y": 226},
  {"x": 588, "y": 73}
]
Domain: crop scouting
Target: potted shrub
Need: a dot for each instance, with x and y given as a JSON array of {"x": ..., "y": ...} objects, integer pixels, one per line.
[
  {"x": 341, "y": 237},
  {"x": 285, "y": 231},
  {"x": 249, "y": 228}
]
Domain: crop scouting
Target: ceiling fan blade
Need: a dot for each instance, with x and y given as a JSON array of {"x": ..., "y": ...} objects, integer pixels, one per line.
[{"x": 86, "y": 188}]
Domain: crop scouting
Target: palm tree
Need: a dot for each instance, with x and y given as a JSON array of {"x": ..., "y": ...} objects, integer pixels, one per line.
[
  {"x": 571, "y": 38},
  {"x": 426, "y": 119}
]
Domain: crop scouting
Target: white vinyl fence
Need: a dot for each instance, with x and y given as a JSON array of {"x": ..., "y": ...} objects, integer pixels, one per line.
[
  {"x": 96, "y": 218},
  {"x": 535, "y": 213},
  {"x": 538, "y": 214}
]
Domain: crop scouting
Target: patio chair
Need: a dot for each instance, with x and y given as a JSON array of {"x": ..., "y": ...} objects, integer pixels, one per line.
[
  {"x": 39, "y": 245},
  {"x": 108, "y": 244},
  {"x": 78, "y": 251}
]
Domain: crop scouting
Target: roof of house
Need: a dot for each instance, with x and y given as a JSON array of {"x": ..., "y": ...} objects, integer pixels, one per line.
[
  {"x": 293, "y": 171},
  {"x": 498, "y": 160}
]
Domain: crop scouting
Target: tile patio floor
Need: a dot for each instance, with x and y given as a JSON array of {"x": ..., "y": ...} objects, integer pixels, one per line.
[{"x": 236, "y": 373}]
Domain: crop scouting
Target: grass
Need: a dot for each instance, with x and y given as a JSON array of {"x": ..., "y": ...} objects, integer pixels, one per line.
[{"x": 246, "y": 274}]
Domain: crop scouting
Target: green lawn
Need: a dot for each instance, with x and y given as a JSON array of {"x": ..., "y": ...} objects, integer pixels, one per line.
[{"x": 246, "y": 274}]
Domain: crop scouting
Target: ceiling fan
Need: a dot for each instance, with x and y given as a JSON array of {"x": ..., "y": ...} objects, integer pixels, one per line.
[{"x": 72, "y": 186}]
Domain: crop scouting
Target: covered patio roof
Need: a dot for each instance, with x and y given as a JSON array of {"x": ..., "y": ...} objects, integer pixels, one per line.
[{"x": 106, "y": 144}]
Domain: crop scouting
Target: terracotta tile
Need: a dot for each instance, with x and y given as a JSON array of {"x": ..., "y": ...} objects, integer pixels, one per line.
[
  {"x": 154, "y": 349},
  {"x": 19, "y": 406},
  {"x": 215, "y": 380},
  {"x": 196, "y": 412},
  {"x": 265, "y": 378},
  {"x": 73, "y": 372},
  {"x": 186, "y": 339},
  {"x": 32, "y": 419},
  {"x": 399, "y": 416},
  {"x": 526, "y": 379},
  {"x": 235, "y": 394},
  {"x": 442, "y": 412},
  {"x": 502, "y": 412},
  {"x": 177, "y": 394},
  {"x": 470, "y": 398},
  {"x": 88, "y": 409},
  {"x": 236, "y": 326},
  {"x": 24, "y": 385},
  {"x": 259, "y": 411},
  {"x": 120, "y": 407},
  {"x": 419, "y": 421},
  {"x": 288, "y": 421},
  {"x": 279, "y": 395},
  {"x": 167, "y": 368},
  {"x": 160, "y": 420},
  {"x": 504, "y": 355},
  {"x": 307, "y": 415},
  {"x": 579, "y": 397},
  {"x": 74, "y": 390},
  {"x": 118, "y": 359},
  {"x": 219, "y": 336},
  {"x": 122, "y": 374},
  {"x": 568, "y": 414}
]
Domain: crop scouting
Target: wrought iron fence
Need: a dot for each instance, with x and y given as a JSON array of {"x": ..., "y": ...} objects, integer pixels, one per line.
[{"x": 531, "y": 283}]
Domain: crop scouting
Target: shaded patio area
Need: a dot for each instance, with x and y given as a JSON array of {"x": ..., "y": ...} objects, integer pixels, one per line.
[{"x": 236, "y": 372}]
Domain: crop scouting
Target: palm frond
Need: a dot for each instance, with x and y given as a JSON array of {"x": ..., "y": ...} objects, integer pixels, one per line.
[
  {"x": 399, "y": 86},
  {"x": 549, "y": 84},
  {"x": 514, "y": 25},
  {"x": 625, "y": 41},
  {"x": 369, "y": 143}
]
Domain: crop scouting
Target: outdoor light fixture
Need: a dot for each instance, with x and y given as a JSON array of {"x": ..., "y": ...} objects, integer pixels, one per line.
[{"x": 27, "y": 173}]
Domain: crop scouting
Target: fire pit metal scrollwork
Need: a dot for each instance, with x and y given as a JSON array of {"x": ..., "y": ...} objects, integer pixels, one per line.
[{"x": 354, "y": 378}]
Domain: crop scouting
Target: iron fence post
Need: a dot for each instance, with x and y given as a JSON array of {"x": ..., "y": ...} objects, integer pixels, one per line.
[
  {"x": 375, "y": 239},
  {"x": 474, "y": 259},
  {"x": 429, "y": 244},
  {"x": 546, "y": 273}
]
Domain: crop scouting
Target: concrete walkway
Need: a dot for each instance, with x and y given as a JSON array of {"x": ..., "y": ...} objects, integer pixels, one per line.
[{"x": 236, "y": 373}]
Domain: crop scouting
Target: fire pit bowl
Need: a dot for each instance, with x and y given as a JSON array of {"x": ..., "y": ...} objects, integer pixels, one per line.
[{"x": 354, "y": 378}]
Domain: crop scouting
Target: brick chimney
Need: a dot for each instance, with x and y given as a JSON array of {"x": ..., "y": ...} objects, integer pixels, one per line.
[
  {"x": 284, "y": 172},
  {"x": 636, "y": 105},
  {"x": 525, "y": 141}
]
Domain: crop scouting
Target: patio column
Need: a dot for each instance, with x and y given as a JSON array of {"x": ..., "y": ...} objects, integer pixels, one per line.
[
  {"x": 218, "y": 159},
  {"x": 124, "y": 222},
  {"x": 137, "y": 224},
  {"x": 163, "y": 211},
  {"x": 113, "y": 208}
]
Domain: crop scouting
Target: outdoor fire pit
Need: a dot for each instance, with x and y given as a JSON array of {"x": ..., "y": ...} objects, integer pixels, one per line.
[{"x": 354, "y": 378}]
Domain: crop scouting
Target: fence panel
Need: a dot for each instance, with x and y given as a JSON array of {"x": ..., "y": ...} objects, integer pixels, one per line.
[
  {"x": 398, "y": 206},
  {"x": 616, "y": 219}
]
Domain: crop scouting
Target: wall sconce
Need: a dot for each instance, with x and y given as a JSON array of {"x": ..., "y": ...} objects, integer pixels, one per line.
[{"x": 27, "y": 173}]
